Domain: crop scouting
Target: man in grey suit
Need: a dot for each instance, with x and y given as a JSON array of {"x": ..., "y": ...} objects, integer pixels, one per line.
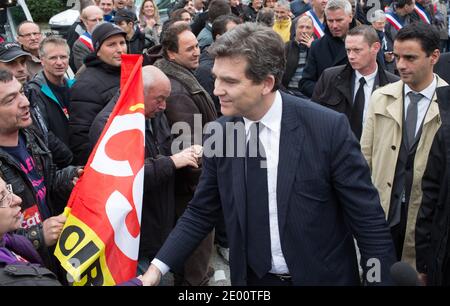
[{"x": 294, "y": 200}]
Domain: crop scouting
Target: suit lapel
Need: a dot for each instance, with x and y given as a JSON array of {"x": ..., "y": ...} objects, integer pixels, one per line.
[
  {"x": 239, "y": 188},
  {"x": 291, "y": 139},
  {"x": 377, "y": 81}
]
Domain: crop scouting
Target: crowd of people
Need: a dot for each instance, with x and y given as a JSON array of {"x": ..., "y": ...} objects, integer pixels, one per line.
[{"x": 346, "y": 105}]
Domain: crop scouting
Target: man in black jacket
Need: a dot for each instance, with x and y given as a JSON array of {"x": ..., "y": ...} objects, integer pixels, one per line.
[
  {"x": 137, "y": 42},
  {"x": 26, "y": 163},
  {"x": 296, "y": 52},
  {"x": 338, "y": 87},
  {"x": 328, "y": 51},
  {"x": 95, "y": 86},
  {"x": 433, "y": 218}
]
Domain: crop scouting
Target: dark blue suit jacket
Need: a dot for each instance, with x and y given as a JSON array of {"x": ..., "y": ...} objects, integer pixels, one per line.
[{"x": 324, "y": 197}]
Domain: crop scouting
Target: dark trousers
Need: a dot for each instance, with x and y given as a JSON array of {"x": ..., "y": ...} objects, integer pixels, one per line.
[
  {"x": 398, "y": 233},
  {"x": 267, "y": 280}
]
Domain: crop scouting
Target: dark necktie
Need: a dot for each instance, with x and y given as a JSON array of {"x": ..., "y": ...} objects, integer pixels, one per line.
[
  {"x": 358, "y": 109},
  {"x": 411, "y": 117},
  {"x": 258, "y": 229}
]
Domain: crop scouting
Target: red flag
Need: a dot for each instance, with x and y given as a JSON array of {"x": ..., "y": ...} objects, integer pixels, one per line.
[{"x": 100, "y": 241}]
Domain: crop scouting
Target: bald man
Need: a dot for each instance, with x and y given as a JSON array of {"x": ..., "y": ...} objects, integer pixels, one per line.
[
  {"x": 160, "y": 164},
  {"x": 91, "y": 16}
]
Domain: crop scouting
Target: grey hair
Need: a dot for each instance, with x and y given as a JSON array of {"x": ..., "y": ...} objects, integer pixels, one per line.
[
  {"x": 375, "y": 16},
  {"x": 259, "y": 45},
  {"x": 344, "y": 5},
  {"x": 52, "y": 40},
  {"x": 150, "y": 74},
  {"x": 284, "y": 3}
]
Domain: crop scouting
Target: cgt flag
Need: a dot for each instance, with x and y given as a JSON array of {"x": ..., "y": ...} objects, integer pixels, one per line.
[{"x": 100, "y": 241}]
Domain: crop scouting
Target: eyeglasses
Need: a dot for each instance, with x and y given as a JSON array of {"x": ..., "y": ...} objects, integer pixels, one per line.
[
  {"x": 7, "y": 198},
  {"x": 28, "y": 35}
]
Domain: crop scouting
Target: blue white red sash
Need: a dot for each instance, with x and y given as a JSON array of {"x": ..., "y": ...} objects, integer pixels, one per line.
[
  {"x": 87, "y": 40},
  {"x": 394, "y": 20},
  {"x": 317, "y": 25},
  {"x": 420, "y": 10}
]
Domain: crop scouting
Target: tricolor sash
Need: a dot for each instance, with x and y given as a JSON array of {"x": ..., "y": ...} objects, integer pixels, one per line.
[
  {"x": 317, "y": 25},
  {"x": 86, "y": 39},
  {"x": 394, "y": 20},
  {"x": 420, "y": 10}
]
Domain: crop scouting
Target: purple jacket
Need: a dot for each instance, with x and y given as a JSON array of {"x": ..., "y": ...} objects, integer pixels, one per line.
[{"x": 20, "y": 245}]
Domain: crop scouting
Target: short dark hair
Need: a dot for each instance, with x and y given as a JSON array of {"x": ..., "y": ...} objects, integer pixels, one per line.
[
  {"x": 176, "y": 14},
  {"x": 425, "y": 34},
  {"x": 368, "y": 32},
  {"x": 6, "y": 76},
  {"x": 259, "y": 45},
  {"x": 402, "y": 3},
  {"x": 219, "y": 26},
  {"x": 266, "y": 16},
  {"x": 170, "y": 39},
  {"x": 218, "y": 8}
]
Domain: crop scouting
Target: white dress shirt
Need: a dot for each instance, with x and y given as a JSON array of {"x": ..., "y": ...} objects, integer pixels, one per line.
[
  {"x": 368, "y": 87},
  {"x": 270, "y": 126},
  {"x": 423, "y": 104},
  {"x": 270, "y": 137}
]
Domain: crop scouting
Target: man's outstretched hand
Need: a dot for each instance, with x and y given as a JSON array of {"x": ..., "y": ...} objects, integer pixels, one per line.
[{"x": 152, "y": 277}]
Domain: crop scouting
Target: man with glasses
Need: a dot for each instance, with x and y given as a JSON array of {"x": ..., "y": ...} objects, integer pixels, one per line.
[
  {"x": 29, "y": 37},
  {"x": 49, "y": 89},
  {"x": 91, "y": 16}
]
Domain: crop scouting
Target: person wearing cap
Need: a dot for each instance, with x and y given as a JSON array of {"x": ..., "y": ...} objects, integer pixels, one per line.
[
  {"x": 29, "y": 37},
  {"x": 137, "y": 41},
  {"x": 95, "y": 86},
  {"x": 13, "y": 59},
  {"x": 91, "y": 16}
]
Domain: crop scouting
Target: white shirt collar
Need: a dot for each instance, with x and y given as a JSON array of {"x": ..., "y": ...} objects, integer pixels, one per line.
[
  {"x": 368, "y": 78},
  {"x": 427, "y": 92},
  {"x": 272, "y": 119}
]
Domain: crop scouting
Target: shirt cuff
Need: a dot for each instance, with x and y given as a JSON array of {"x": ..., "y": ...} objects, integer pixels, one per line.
[{"x": 161, "y": 266}]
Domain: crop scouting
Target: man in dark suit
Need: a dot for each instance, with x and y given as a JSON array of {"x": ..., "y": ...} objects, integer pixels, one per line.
[
  {"x": 347, "y": 88},
  {"x": 291, "y": 218},
  {"x": 442, "y": 68},
  {"x": 328, "y": 51}
]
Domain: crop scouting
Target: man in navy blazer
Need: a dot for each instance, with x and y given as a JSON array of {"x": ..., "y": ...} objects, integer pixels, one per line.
[{"x": 318, "y": 194}]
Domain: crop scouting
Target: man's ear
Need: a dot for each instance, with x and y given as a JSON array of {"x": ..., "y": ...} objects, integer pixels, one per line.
[
  {"x": 376, "y": 46},
  {"x": 435, "y": 56},
  {"x": 171, "y": 55},
  {"x": 269, "y": 84}
]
